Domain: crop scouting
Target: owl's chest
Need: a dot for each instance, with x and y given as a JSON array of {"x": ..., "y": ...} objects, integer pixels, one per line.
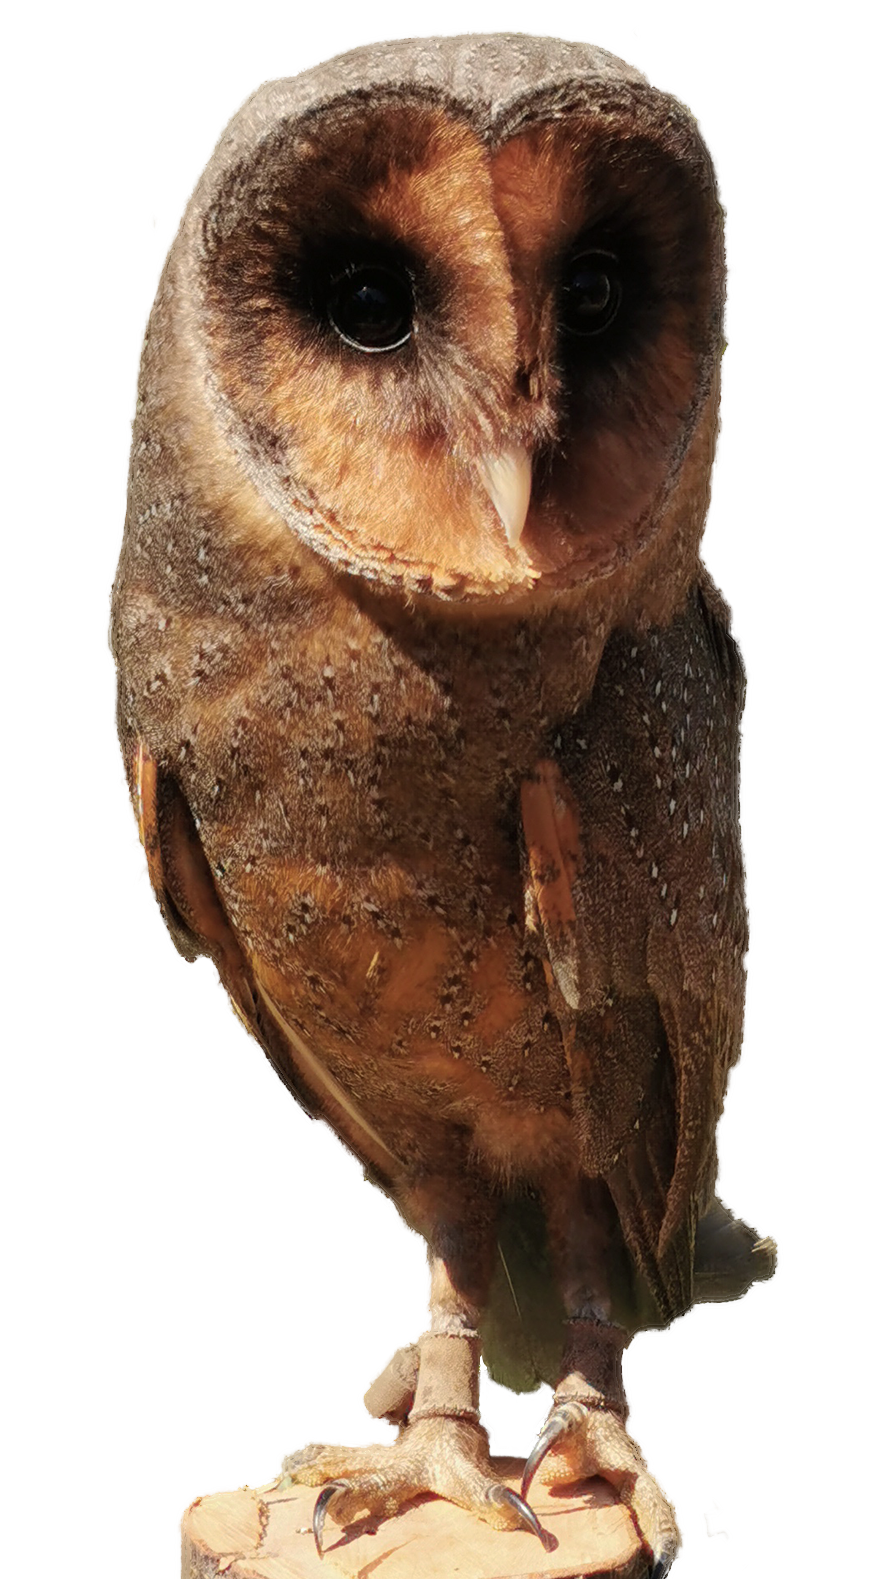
[
  {"x": 351, "y": 752},
  {"x": 362, "y": 823}
]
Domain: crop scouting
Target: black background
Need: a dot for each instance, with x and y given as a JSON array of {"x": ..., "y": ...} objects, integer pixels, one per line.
[{"x": 248, "y": 1281}]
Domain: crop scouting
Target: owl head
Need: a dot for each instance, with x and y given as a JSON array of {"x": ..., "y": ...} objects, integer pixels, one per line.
[{"x": 448, "y": 314}]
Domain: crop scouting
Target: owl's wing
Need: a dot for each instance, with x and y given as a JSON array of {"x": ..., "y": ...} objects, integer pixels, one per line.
[
  {"x": 635, "y": 888},
  {"x": 184, "y": 896},
  {"x": 182, "y": 888}
]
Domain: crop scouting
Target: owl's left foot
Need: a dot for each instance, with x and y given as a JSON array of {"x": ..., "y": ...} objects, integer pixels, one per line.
[{"x": 582, "y": 1439}]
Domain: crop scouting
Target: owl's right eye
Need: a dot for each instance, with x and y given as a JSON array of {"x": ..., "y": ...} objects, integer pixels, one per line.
[
  {"x": 370, "y": 305},
  {"x": 591, "y": 292}
]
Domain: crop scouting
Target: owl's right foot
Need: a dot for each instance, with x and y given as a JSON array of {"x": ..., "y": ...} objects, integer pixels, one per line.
[{"x": 449, "y": 1457}]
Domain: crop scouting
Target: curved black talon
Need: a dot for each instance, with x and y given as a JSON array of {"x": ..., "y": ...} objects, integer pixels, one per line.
[
  {"x": 325, "y": 1497},
  {"x": 661, "y": 1567},
  {"x": 561, "y": 1422},
  {"x": 523, "y": 1509}
]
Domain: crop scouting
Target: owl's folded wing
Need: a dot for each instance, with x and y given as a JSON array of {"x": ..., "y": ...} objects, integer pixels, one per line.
[
  {"x": 183, "y": 885},
  {"x": 635, "y": 889}
]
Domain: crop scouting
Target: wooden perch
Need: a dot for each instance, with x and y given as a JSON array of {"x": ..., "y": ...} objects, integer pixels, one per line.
[{"x": 266, "y": 1534}]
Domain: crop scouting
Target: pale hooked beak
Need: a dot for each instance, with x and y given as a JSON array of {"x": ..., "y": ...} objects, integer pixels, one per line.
[{"x": 507, "y": 479}]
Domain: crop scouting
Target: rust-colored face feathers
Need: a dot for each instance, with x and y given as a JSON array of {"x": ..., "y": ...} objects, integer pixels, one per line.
[{"x": 461, "y": 351}]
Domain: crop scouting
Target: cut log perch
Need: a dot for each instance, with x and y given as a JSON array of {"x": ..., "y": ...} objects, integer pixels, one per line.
[{"x": 266, "y": 1534}]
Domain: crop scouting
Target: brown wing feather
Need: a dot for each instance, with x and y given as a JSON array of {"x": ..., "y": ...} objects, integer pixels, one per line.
[
  {"x": 660, "y": 930},
  {"x": 183, "y": 883}
]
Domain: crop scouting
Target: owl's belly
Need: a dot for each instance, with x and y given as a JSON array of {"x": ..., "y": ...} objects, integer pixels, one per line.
[{"x": 434, "y": 1028}]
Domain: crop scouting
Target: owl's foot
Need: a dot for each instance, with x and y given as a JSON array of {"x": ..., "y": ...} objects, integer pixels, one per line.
[
  {"x": 446, "y": 1456},
  {"x": 584, "y": 1439}
]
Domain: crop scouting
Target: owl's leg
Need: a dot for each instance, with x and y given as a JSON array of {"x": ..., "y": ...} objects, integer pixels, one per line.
[
  {"x": 585, "y": 1434},
  {"x": 442, "y": 1446}
]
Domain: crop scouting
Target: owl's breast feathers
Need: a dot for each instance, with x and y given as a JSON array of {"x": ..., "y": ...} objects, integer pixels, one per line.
[{"x": 336, "y": 818}]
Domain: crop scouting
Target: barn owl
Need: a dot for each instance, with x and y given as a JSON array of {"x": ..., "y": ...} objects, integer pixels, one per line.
[{"x": 430, "y": 710}]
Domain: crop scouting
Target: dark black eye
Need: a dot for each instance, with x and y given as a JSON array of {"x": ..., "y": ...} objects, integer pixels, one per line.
[
  {"x": 370, "y": 305},
  {"x": 590, "y": 292}
]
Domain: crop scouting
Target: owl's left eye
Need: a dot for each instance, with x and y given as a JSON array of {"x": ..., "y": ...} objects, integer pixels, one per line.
[
  {"x": 591, "y": 292},
  {"x": 370, "y": 305}
]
